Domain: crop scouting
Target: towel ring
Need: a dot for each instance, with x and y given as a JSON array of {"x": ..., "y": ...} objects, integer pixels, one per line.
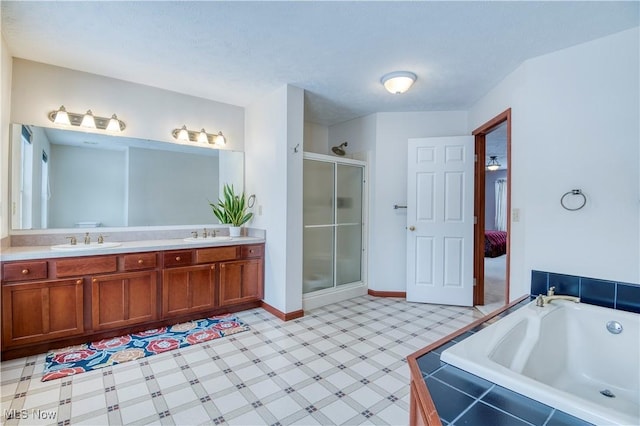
[{"x": 574, "y": 192}]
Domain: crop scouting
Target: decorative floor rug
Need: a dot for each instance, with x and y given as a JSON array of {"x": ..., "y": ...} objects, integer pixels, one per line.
[{"x": 104, "y": 353}]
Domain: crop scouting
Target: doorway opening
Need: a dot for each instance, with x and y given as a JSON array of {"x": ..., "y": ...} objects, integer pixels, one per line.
[{"x": 491, "y": 208}]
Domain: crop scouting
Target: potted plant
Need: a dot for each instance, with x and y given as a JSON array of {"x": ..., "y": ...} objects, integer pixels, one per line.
[{"x": 232, "y": 210}]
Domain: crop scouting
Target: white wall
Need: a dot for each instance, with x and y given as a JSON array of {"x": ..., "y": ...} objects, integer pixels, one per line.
[
  {"x": 274, "y": 126},
  {"x": 6, "y": 64},
  {"x": 575, "y": 111},
  {"x": 148, "y": 112},
  {"x": 384, "y": 136},
  {"x": 316, "y": 138}
]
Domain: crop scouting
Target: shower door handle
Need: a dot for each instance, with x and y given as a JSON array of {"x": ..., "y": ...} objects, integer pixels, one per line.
[{"x": 412, "y": 228}]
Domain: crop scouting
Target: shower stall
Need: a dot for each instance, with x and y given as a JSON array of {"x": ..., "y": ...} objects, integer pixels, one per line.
[{"x": 333, "y": 200}]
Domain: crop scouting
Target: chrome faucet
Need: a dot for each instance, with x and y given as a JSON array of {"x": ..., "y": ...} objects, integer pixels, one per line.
[
  {"x": 72, "y": 240},
  {"x": 101, "y": 238},
  {"x": 87, "y": 238},
  {"x": 195, "y": 234},
  {"x": 205, "y": 234},
  {"x": 551, "y": 295}
]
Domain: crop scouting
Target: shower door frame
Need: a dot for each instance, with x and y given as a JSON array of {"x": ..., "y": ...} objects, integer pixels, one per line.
[{"x": 365, "y": 203}]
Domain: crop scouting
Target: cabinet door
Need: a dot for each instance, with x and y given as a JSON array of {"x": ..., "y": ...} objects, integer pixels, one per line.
[
  {"x": 123, "y": 299},
  {"x": 240, "y": 282},
  {"x": 188, "y": 289},
  {"x": 40, "y": 311}
]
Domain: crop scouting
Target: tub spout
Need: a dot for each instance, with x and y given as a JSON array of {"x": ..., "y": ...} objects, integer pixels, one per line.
[{"x": 543, "y": 300}]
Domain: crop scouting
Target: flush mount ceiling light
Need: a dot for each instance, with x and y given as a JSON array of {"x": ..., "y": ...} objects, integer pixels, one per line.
[
  {"x": 87, "y": 120},
  {"x": 185, "y": 135},
  {"x": 493, "y": 164},
  {"x": 398, "y": 82}
]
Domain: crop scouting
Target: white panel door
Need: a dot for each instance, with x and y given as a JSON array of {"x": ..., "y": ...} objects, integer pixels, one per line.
[{"x": 440, "y": 220}]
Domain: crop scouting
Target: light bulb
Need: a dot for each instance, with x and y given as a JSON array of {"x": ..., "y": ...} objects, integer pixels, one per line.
[
  {"x": 114, "y": 124},
  {"x": 183, "y": 134},
  {"x": 88, "y": 120},
  {"x": 62, "y": 117},
  {"x": 220, "y": 139},
  {"x": 202, "y": 137}
]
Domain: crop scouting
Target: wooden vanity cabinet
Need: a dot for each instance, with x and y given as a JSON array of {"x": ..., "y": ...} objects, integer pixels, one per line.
[
  {"x": 37, "y": 311},
  {"x": 241, "y": 280},
  {"x": 121, "y": 300},
  {"x": 128, "y": 298},
  {"x": 188, "y": 289},
  {"x": 57, "y": 302}
]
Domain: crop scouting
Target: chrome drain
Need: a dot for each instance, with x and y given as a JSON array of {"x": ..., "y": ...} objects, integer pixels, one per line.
[{"x": 607, "y": 393}]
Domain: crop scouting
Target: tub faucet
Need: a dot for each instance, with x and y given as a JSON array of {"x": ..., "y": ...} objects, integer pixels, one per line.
[
  {"x": 551, "y": 295},
  {"x": 87, "y": 238}
]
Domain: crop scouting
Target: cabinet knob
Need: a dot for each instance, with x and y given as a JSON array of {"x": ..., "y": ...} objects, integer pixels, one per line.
[
  {"x": 78, "y": 281},
  {"x": 251, "y": 251},
  {"x": 178, "y": 258},
  {"x": 25, "y": 271},
  {"x": 140, "y": 261},
  {"x": 95, "y": 280},
  {"x": 213, "y": 267}
]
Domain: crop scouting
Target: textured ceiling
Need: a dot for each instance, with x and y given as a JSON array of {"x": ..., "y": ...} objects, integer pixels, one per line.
[{"x": 236, "y": 52}]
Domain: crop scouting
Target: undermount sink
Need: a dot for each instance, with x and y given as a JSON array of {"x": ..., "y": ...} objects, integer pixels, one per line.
[
  {"x": 80, "y": 246},
  {"x": 207, "y": 240}
]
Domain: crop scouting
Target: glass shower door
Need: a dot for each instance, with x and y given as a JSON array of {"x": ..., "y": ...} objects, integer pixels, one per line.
[
  {"x": 318, "y": 220},
  {"x": 332, "y": 219},
  {"x": 348, "y": 224}
]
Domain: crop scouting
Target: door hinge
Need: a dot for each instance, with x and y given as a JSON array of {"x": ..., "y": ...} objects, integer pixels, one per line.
[
  {"x": 475, "y": 157},
  {"x": 474, "y": 282},
  {"x": 475, "y": 220}
]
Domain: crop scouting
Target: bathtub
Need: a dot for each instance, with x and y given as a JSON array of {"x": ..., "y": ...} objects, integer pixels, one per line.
[{"x": 562, "y": 355}]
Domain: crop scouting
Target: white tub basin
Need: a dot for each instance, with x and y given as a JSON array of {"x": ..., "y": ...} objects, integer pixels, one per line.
[
  {"x": 81, "y": 247},
  {"x": 207, "y": 240},
  {"x": 562, "y": 355}
]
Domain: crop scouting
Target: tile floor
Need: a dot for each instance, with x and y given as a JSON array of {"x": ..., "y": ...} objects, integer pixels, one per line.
[{"x": 339, "y": 364}]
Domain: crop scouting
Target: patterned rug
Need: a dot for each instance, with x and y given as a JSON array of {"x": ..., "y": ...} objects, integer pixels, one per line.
[{"x": 104, "y": 353}]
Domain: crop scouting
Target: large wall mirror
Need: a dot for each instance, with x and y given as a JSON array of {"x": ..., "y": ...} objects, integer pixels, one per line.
[{"x": 70, "y": 179}]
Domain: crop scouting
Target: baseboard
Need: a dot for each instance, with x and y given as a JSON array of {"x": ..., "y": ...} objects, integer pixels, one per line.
[
  {"x": 288, "y": 316},
  {"x": 376, "y": 293},
  {"x": 327, "y": 297}
]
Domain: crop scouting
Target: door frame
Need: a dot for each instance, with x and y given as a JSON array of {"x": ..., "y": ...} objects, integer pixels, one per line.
[{"x": 479, "y": 204}]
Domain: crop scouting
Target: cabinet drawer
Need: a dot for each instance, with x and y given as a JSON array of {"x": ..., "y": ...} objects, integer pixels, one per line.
[
  {"x": 23, "y": 271},
  {"x": 216, "y": 254},
  {"x": 86, "y": 265},
  {"x": 178, "y": 258},
  {"x": 136, "y": 262},
  {"x": 250, "y": 251}
]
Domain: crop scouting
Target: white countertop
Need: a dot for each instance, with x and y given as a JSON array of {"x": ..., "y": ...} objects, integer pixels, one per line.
[{"x": 45, "y": 252}]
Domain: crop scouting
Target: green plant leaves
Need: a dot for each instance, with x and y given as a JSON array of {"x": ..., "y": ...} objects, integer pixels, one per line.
[{"x": 232, "y": 208}]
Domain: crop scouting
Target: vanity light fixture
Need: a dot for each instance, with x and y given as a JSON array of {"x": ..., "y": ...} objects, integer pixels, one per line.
[
  {"x": 493, "y": 164},
  {"x": 88, "y": 120},
  {"x": 186, "y": 135},
  {"x": 398, "y": 81}
]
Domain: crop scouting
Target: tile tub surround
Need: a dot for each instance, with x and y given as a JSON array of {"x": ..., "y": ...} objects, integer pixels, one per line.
[
  {"x": 461, "y": 398},
  {"x": 609, "y": 294}
]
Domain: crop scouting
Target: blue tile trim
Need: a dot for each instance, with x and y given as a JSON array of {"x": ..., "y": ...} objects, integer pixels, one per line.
[
  {"x": 594, "y": 291},
  {"x": 462, "y": 398}
]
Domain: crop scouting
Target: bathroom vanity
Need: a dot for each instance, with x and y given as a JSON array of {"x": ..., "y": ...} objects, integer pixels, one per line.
[{"x": 53, "y": 299}]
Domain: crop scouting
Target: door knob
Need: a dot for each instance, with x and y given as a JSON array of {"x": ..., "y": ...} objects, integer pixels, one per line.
[{"x": 412, "y": 228}]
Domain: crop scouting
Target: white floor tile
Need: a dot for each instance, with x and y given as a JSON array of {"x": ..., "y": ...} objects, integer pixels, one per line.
[
  {"x": 133, "y": 413},
  {"x": 283, "y": 407},
  {"x": 339, "y": 412},
  {"x": 133, "y": 403}
]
